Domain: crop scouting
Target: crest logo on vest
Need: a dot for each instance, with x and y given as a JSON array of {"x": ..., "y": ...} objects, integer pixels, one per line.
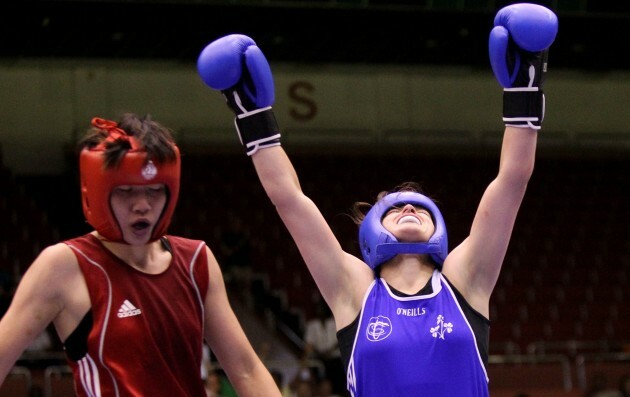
[{"x": 378, "y": 329}]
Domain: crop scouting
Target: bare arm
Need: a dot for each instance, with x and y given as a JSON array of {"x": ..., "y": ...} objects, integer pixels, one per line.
[
  {"x": 475, "y": 264},
  {"x": 524, "y": 32},
  {"x": 39, "y": 299},
  {"x": 224, "y": 65},
  {"x": 342, "y": 278},
  {"x": 228, "y": 341}
]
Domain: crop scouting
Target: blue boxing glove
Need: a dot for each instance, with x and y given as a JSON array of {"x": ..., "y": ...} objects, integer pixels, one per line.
[
  {"x": 519, "y": 45},
  {"x": 235, "y": 66}
]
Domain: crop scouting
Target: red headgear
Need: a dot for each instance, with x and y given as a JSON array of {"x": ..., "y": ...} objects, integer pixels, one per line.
[{"x": 97, "y": 182}]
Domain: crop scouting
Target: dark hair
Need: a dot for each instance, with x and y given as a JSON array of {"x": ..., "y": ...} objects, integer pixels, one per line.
[
  {"x": 155, "y": 138},
  {"x": 360, "y": 208}
]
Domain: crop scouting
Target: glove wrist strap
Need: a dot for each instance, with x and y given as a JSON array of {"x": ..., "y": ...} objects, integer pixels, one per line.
[
  {"x": 257, "y": 129},
  {"x": 523, "y": 107}
]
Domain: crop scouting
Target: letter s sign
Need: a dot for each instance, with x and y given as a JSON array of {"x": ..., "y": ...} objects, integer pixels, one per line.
[{"x": 307, "y": 108}]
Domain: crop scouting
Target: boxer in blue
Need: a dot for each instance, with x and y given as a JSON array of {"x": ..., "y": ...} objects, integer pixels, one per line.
[{"x": 412, "y": 317}]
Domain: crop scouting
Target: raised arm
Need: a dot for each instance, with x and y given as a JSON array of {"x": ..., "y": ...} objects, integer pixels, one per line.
[
  {"x": 236, "y": 66},
  {"x": 519, "y": 45}
]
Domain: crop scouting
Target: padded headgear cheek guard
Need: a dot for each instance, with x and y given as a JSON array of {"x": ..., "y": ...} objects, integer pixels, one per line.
[
  {"x": 98, "y": 182},
  {"x": 379, "y": 245}
]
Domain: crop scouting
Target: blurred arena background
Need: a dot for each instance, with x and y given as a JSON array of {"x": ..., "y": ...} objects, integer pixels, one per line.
[{"x": 370, "y": 93}]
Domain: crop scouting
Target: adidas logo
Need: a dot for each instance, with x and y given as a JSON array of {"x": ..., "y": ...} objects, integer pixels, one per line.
[{"x": 128, "y": 309}]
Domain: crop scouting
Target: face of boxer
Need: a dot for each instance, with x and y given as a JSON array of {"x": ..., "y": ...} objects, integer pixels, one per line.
[
  {"x": 137, "y": 209},
  {"x": 409, "y": 223}
]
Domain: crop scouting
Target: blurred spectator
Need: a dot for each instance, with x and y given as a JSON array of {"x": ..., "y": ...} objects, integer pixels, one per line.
[
  {"x": 206, "y": 361},
  {"x": 217, "y": 384},
  {"x": 320, "y": 337},
  {"x": 325, "y": 389},
  {"x": 213, "y": 384},
  {"x": 279, "y": 378},
  {"x": 304, "y": 383},
  {"x": 304, "y": 389}
]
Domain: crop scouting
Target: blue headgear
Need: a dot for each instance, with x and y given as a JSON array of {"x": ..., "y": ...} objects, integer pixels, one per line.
[{"x": 379, "y": 245}]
